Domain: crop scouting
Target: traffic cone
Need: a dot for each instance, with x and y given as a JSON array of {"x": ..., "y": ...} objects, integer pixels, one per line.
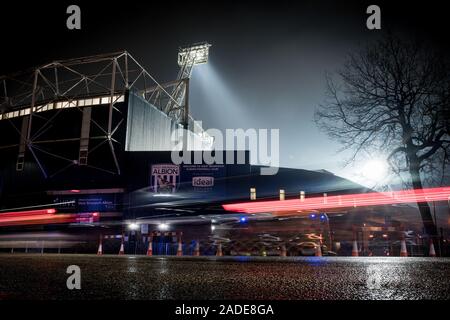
[
  {"x": 432, "y": 251},
  {"x": 150, "y": 247},
  {"x": 318, "y": 251},
  {"x": 355, "y": 249},
  {"x": 197, "y": 249},
  {"x": 283, "y": 251},
  {"x": 403, "y": 250},
  {"x": 122, "y": 250},
  {"x": 100, "y": 247},
  {"x": 180, "y": 247},
  {"x": 219, "y": 250}
]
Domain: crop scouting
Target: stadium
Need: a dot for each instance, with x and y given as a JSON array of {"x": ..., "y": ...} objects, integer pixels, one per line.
[{"x": 86, "y": 167}]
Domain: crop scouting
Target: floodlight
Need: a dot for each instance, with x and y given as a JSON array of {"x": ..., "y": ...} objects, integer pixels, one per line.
[
  {"x": 193, "y": 55},
  {"x": 163, "y": 226},
  {"x": 133, "y": 226}
]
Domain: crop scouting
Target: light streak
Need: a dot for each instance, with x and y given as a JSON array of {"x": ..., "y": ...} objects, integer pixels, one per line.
[
  {"x": 343, "y": 201},
  {"x": 45, "y": 216}
]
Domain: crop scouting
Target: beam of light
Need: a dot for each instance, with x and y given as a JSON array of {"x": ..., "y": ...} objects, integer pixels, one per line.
[
  {"x": 45, "y": 216},
  {"x": 215, "y": 102},
  {"x": 343, "y": 201}
]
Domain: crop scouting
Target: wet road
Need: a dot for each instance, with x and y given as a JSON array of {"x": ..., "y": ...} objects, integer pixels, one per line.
[{"x": 28, "y": 276}]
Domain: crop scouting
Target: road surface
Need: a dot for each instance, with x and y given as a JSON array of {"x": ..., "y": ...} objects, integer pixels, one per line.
[{"x": 34, "y": 276}]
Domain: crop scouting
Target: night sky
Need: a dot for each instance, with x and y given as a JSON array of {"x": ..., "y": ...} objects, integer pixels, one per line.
[{"x": 267, "y": 61}]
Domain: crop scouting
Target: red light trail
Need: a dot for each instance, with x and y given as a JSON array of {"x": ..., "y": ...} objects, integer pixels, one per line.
[
  {"x": 44, "y": 216},
  {"x": 343, "y": 201}
]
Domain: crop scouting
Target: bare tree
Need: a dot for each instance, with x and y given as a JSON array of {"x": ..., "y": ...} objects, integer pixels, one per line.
[{"x": 393, "y": 98}]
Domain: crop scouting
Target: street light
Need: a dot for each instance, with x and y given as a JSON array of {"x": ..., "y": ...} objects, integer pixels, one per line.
[{"x": 324, "y": 218}]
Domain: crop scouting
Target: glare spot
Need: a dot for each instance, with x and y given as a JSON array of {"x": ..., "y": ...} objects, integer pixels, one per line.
[{"x": 375, "y": 170}]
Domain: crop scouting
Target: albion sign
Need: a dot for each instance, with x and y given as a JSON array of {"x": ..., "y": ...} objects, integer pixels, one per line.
[
  {"x": 165, "y": 169},
  {"x": 165, "y": 177}
]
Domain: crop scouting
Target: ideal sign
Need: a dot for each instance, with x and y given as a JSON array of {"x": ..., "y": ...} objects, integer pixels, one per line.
[{"x": 203, "y": 182}]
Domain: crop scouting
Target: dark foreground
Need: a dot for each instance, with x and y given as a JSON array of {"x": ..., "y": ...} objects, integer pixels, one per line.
[{"x": 27, "y": 276}]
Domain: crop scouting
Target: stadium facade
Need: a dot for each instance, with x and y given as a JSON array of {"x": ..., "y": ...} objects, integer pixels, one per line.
[{"x": 86, "y": 150}]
